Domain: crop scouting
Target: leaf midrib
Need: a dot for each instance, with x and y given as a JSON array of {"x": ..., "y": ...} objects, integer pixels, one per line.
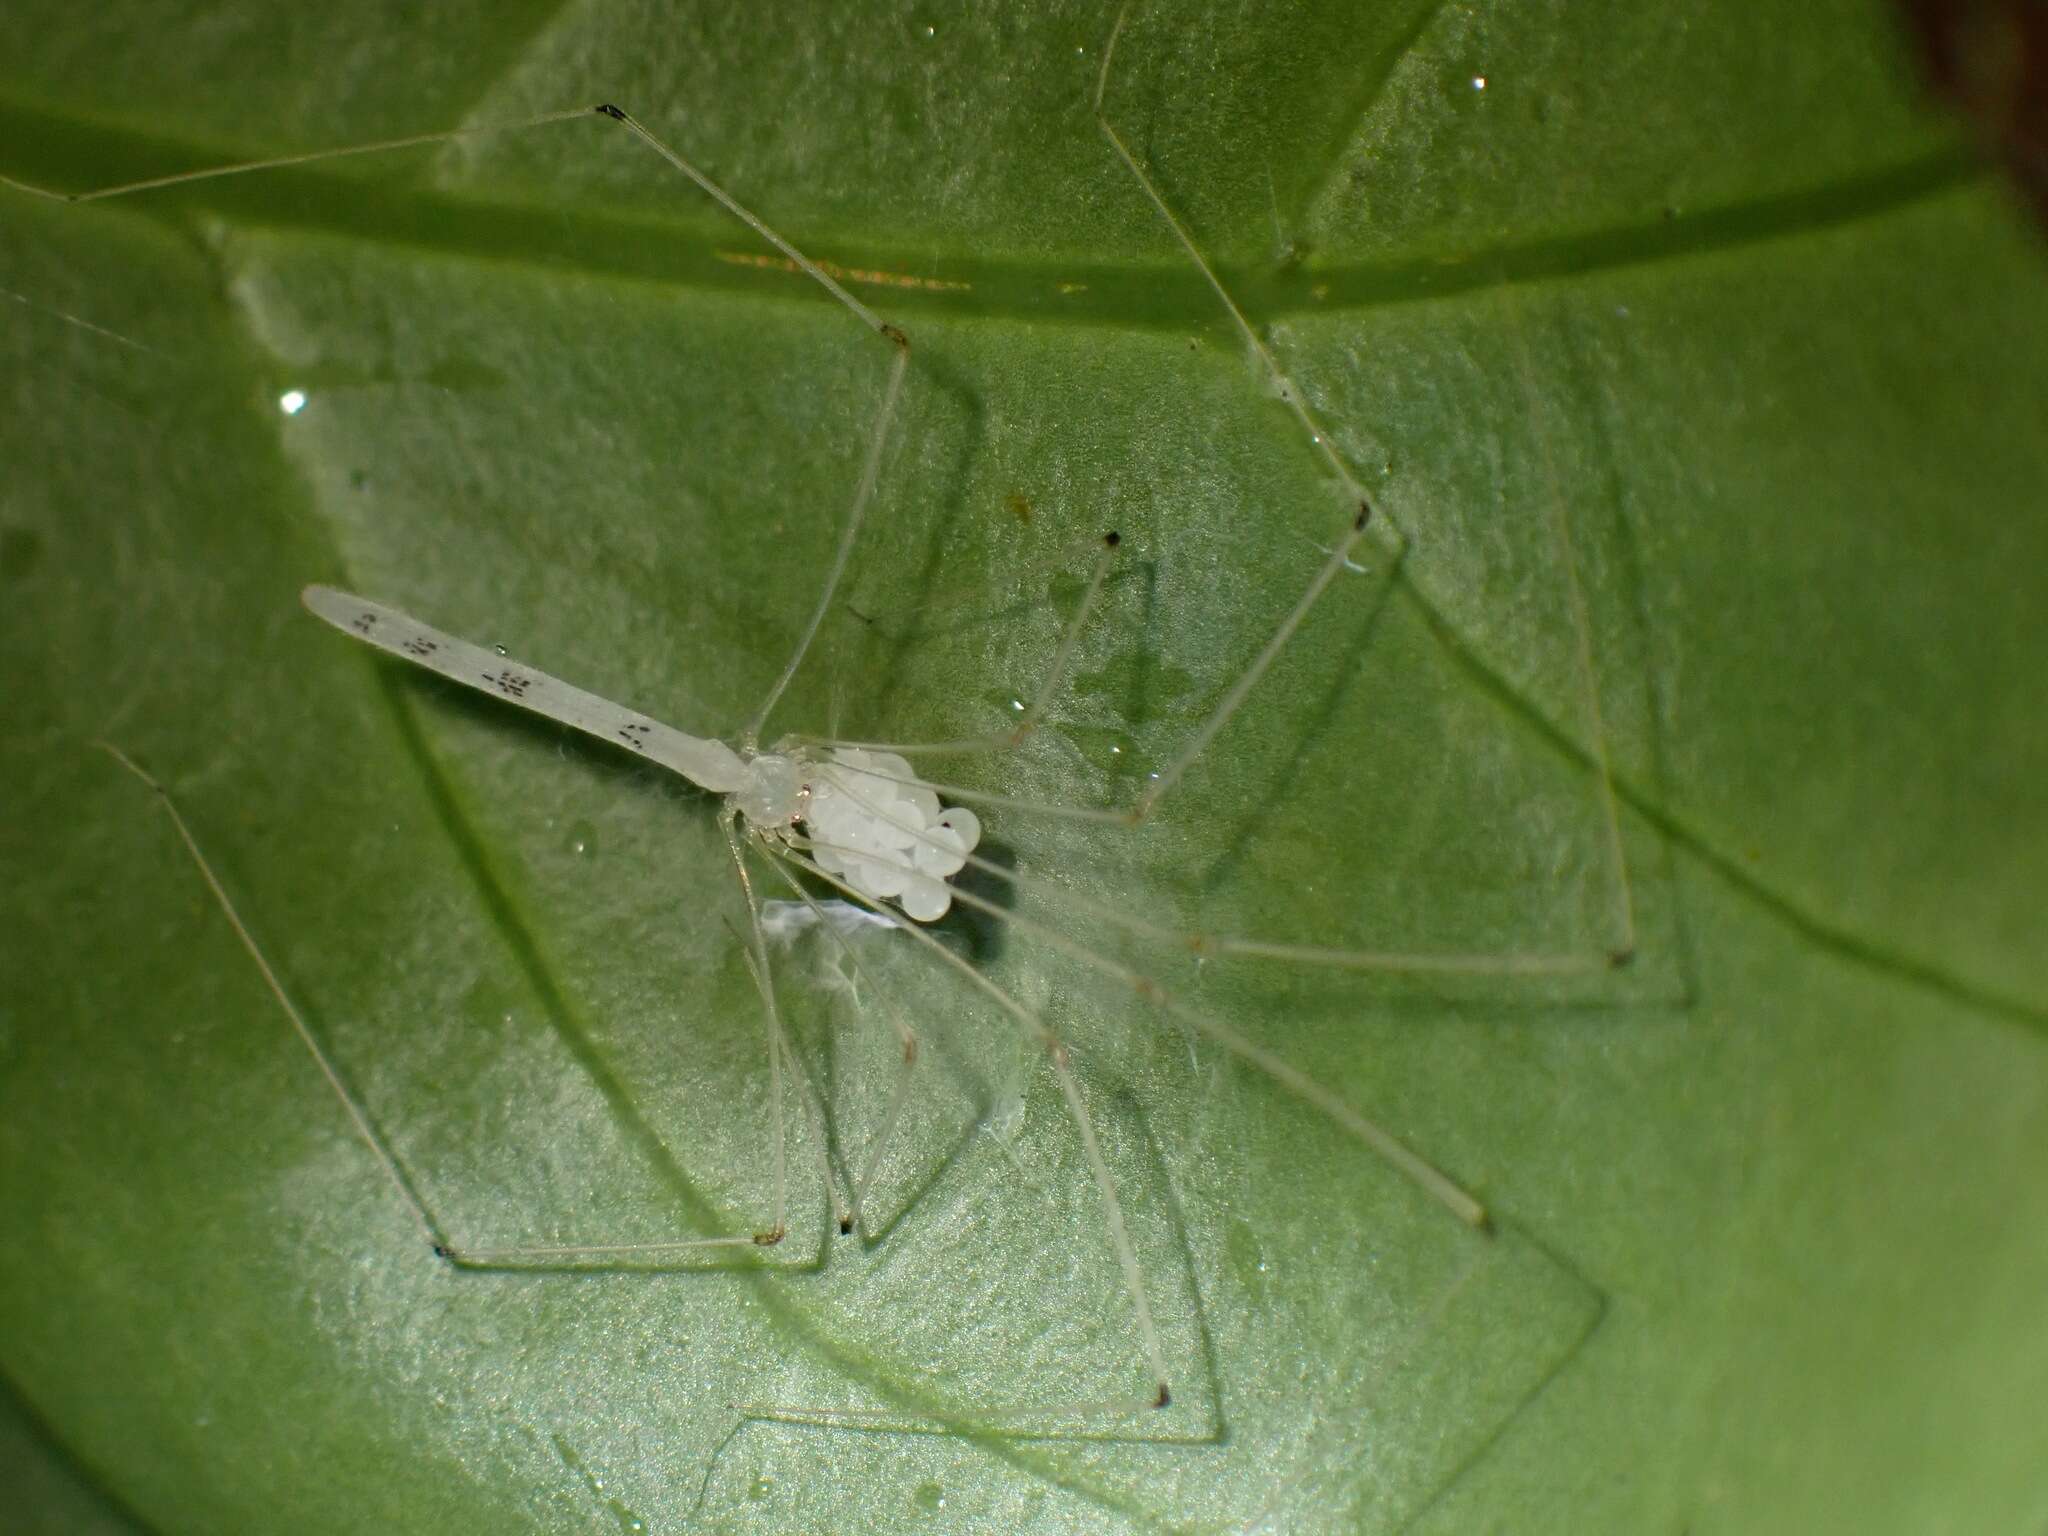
[{"x": 704, "y": 252}]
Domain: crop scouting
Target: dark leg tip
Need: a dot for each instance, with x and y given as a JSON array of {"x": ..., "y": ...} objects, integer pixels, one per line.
[
  {"x": 1164, "y": 1399},
  {"x": 606, "y": 109},
  {"x": 845, "y": 1226},
  {"x": 1364, "y": 516},
  {"x": 1112, "y": 538},
  {"x": 440, "y": 1252}
]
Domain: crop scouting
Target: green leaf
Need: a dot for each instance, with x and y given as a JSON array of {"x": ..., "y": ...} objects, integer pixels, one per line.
[{"x": 1698, "y": 318}]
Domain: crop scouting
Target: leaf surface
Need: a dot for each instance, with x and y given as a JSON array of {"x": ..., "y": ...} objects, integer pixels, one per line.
[{"x": 1730, "y": 343}]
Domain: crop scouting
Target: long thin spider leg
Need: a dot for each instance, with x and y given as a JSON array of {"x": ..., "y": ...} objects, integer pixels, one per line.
[
  {"x": 856, "y": 514},
  {"x": 1362, "y": 514},
  {"x": 606, "y": 110},
  {"x": 1339, "y": 559},
  {"x": 898, "y": 341},
  {"x": 1424, "y": 1174},
  {"x": 1105, "y": 1182},
  {"x": 359, "y": 1117},
  {"x": 1196, "y": 745},
  {"x": 871, "y": 467},
  {"x": 968, "y": 795},
  {"x": 308, "y": 157},
  {"x": 1028, "y": 722},
  {"x": 1218, "y": 945},
  {"x": 83, "y": 324},
  {"x": 772, "y": 1021},
  {"x": 1354, "y": 493},
  {"x": 1623, "y": 949},
  {"x": 576, "y": 1254},
  {"x": 1425, "y": 962},
  {"x": 726, "y": 201},
  {"x": 1247, "y": 680},
  {"x": 807, "y": 1095},
  {"x": 1362, "y": 517},
  {"x": 581, "y": 1255},
  {"x": 906, "y": 1037},
  {"x": 1593, "y": 720}
]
